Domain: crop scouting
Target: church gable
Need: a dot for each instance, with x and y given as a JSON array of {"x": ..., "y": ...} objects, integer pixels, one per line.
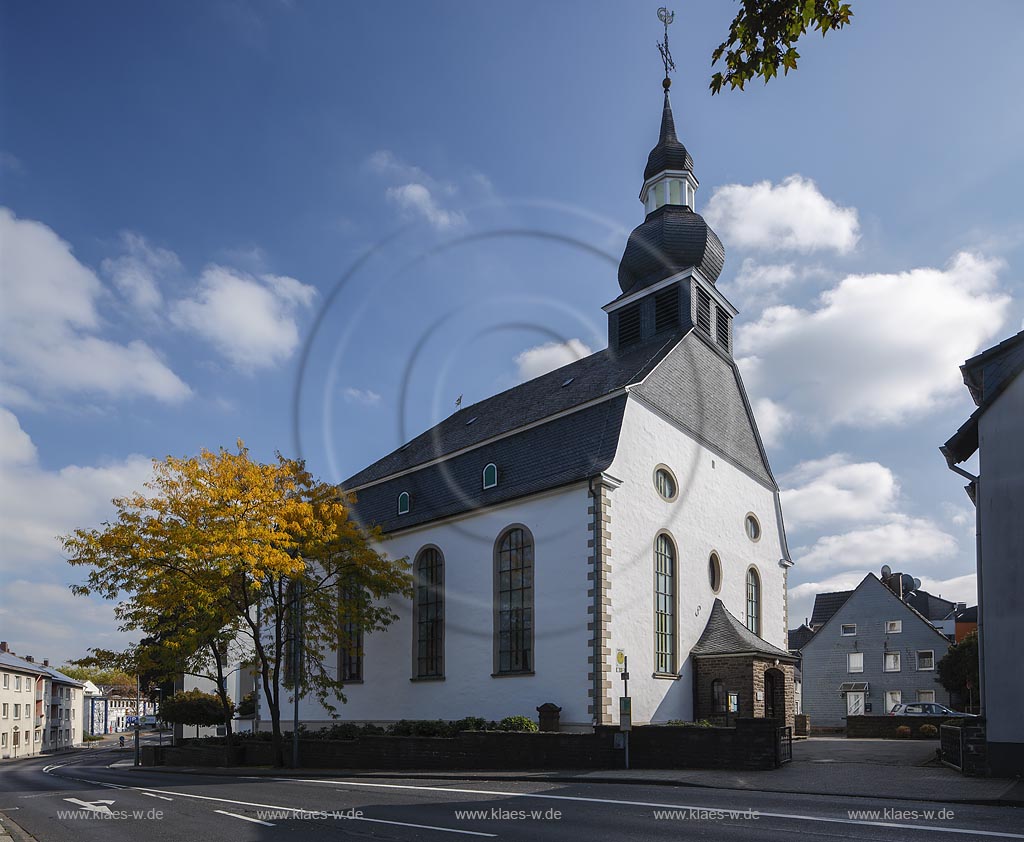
[{"x": 699, "y": 389}]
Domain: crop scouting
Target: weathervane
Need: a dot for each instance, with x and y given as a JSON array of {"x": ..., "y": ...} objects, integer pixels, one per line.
[{"x": 666, "y": 17}]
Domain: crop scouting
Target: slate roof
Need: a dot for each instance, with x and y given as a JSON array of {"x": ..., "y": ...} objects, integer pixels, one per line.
[
  {"x": 968, "y": 615},
  {"x": 538, "y": 444},
  {"x": 798, "y": 637},
  {"x": 668, "y": 153},
  {"x": 725, "y": 635},
  {"x": 592, "y": 377},
  {"x": 671, "y": 238},
  {"x": 986, "y": 376},
  {"x": 825, "y": 605},
  {"x": 12, "y": 661}
]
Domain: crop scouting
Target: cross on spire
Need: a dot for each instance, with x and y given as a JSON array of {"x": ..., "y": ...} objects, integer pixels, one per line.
[{"x": 666, "y": 17}]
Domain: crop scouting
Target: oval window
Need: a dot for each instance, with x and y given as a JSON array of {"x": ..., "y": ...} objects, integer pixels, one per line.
[
  {"x": 753, "y": 528},
  {"x": 715, "y": 572},
  {"x": 665, "y": 483}
]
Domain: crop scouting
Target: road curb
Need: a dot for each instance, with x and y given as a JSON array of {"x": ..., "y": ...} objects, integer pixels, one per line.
[{"x": 265, "y": 772}]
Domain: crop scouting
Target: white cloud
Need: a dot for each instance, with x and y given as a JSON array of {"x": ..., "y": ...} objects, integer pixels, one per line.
[
  {"x": 250, "y": 320},
  {"x": 836, "y": 490},
  {"x": 49, "y": 321},
  {"x": 533, "y": 362},
  {"x": 16, "y": 447},
  {"x": 416, "y": 198},
  {"x": 773, "y": 420},
  {"x": 385, "y": 162},
  {"x": 790, "y": 216},
  {"x": 901, "y": 541},
  {"x": 875, "y": 349},
  {"x": 139, "y": 271},
  {"x": 366, "y": 397}
]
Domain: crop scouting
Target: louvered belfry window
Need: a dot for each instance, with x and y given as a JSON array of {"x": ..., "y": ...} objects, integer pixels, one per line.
[
  {"x": 703, "y": 310},
  {"x": 666, "y": 308},
  {"x": 629, "y": 325},
  {"x": 722, "y": 320}
]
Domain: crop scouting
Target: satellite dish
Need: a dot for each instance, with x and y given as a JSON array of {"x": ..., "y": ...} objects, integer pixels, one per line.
[
  {"x": 886, "y": 571},
  {"x": 907, "y": 581},
  {"x": 917, "y": 584}
]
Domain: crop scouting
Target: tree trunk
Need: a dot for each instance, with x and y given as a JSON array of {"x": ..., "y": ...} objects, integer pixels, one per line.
[{"x": 222, "y": 692}]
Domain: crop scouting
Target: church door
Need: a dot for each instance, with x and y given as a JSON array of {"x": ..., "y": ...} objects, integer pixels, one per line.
[{"x": 770, "y": 693}]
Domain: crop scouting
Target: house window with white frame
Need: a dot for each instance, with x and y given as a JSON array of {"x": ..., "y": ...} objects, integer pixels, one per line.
[
  {"x": 892, "y": 662},
  {"x": 7, "y": 680},
  {"x": 848, "y": 629},
  {"x": 17, "y": 682},
  {"x": 893, "y": 626},
  {"x": 855, "y": 662},
  {"x": 926, "y": 695},
  {"x": 892, "y": 698},
  {"x": 6, "y": 710},
  {"x": 926, "y": 659}
]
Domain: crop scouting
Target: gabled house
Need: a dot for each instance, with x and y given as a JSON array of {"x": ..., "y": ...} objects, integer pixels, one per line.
[{"x": 874, "y": 651}]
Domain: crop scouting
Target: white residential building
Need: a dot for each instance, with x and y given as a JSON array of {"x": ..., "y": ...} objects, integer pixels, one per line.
[{"x": 40, "y": 707}]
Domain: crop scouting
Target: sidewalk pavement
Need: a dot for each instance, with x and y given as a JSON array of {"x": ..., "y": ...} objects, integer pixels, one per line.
[{"x": 883, "y": 769}]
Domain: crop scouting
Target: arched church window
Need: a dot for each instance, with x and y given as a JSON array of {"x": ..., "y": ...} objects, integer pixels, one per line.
[
  {"x": 753, "y": 527},
  {"x": 428, "y": 608},
  {"x": 664, "y": 605},
  {"x": 404, "y": 503},
  {"x": 754, "y": 601},
  {"x": 513, "y": 590},
  {"x": 490, "y": 475}
]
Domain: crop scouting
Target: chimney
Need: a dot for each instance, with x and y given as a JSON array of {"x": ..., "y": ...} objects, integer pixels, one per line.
[
  {"x": 4, "y": 647},
  {"x": 30, "y": 659},
  {"x": 46, "y": 662}
]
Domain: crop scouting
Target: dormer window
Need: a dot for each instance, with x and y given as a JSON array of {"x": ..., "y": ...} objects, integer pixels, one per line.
[
  {"x": 403, "y": 503},
  {"x": 490, "y": 476}
]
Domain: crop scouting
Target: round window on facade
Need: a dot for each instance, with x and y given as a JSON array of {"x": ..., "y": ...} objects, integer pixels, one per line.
[
  {"x": 665, "y": 482},
  {"x": 715, "y": 572},
  {"x": 753, "y": 528}
]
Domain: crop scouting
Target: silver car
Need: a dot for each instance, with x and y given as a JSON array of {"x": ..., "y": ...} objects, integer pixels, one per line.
[{"x": 925, "y": 709}]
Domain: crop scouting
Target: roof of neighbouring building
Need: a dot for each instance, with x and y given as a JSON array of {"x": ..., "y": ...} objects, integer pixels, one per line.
[
  {"x": 929, "y": 606},
  {"x": 986, "y": 376},
  {"x": 825, "y": 605},
  {"x": 968, "y": 615},
  {"x": 725, "y": 635},
  {"x": 560, "y": 428},
  {"x": 12, "y": 661},
  {"x": 799, "y": 637}
]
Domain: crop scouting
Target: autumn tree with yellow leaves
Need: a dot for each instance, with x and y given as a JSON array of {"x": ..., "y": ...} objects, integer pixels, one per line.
[{"x": 214, "y": 556}]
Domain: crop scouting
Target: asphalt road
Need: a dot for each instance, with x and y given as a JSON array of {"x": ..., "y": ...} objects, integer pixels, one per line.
[{"x": 84, "y": 798}]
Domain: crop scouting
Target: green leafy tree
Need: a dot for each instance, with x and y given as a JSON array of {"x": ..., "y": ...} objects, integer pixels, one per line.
[
  {"x": 89, "y": 670},
  {"x": 958, "y": 668},
  {"x": 763, "y": 36},
  {"x": 193, "y": 707}
]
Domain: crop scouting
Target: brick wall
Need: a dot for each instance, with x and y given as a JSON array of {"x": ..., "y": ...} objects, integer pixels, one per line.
[
  {"x": 750, "y": 744},
  {"x": 744, "y": 676}
]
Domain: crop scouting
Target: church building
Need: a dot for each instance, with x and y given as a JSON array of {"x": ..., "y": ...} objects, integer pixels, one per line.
[{"x": 621, "y": 505}]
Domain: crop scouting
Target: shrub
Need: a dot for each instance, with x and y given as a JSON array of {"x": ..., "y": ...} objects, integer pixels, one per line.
[
  {"x": 903, "y": 732},
  {"x": 471, "y": 723},
  {"x": 517, "y": 723},
  {"x": 92, "y": 738},
  {"x": 928, "y": 731}
]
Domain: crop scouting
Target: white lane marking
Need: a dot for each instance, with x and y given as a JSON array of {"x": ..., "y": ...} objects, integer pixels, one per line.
[
  {"x": 93, "y": 806},
  {"x": 8, "y": 809},
  {"x": 792, "y": 816},
  {"x": 304, "y": 811},
  {"x": 161, "y": 797},
  {"x": 245, "y": 818}
]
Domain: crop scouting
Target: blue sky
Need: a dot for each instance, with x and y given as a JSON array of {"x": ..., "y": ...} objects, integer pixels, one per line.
[{"x": 188, "y": 186}]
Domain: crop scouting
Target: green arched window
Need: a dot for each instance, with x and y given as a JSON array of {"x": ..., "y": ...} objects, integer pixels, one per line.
[
  {"x": 403, "y": 503},
  {"x": 490, "y": 475}
]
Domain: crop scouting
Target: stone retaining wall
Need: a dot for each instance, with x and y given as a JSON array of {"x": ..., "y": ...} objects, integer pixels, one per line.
[{"x": 884, "y": 727}]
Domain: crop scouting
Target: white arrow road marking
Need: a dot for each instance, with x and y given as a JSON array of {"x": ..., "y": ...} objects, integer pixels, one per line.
[
  {"x": 95, "y": 806},
  {"x": 929, "y": 828},
  {"x": 304, "y": 811},
  {"x": 161, "y": 797},
  {"x": 245, "y": 818}
]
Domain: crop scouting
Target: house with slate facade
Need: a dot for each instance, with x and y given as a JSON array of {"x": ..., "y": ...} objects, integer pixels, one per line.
[
  {"x": 871, "y": 651},
  {"x": 620, "y": 504}
]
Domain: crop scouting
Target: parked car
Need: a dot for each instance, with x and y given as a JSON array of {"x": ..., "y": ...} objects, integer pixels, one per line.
[{"x": 925, "y": 709}]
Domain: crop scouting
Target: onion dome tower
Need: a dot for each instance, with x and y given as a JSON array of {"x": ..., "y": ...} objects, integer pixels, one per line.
[{"x": 672, "y": 260}]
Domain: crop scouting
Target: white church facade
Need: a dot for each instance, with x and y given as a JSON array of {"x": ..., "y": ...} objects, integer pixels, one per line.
[{"x": 622, "y": 502}]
